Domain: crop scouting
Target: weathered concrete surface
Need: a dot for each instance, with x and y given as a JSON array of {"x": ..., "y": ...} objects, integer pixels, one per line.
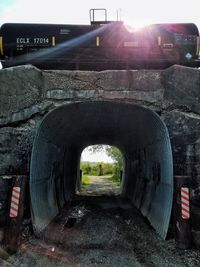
[
  {"x": 27, "y": 94},
  {"x": 184, "y": 131},
  {"x": 15, "y": 149}
]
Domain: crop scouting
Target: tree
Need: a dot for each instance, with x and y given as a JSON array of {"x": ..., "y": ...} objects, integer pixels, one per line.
[
  {"x": 115, "y": 154},
  {"x": 111, "y": 151},
  {"x": 114, "y": 169}
]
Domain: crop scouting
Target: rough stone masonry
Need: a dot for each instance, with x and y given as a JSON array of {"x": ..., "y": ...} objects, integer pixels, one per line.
[{"x": 27, "y": 94}]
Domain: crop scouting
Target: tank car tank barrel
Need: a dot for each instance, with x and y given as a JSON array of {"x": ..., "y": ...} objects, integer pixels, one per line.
[{"x": 99, "y": 47}]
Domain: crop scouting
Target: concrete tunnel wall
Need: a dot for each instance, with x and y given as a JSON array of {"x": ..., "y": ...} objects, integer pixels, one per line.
[{"x": 137, "y": 131}]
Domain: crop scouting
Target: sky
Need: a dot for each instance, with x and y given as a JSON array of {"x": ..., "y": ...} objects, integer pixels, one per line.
[
  {"x": 134, "y": 13},
  {"x": 87, "y": 155}
]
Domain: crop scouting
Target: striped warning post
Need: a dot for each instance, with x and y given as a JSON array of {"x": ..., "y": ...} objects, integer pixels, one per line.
[
  {"x": 185, "y": 204},
  {"x": 14, "y": 202}
]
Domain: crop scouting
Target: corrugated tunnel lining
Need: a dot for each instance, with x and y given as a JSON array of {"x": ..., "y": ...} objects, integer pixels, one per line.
[{"x": 138, "y": 132}]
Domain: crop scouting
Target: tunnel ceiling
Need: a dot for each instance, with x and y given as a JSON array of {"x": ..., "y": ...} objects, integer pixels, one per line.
[
  {"x": 137, "y": 131},
  {"x": 101, "y": 122}
]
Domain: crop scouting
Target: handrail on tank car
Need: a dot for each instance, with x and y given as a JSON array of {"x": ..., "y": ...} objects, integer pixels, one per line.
[{"x": 92, "y": 15}]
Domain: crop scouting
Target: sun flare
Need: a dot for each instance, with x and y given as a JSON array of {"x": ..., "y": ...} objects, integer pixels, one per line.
[{"x": 136, "y": 25}]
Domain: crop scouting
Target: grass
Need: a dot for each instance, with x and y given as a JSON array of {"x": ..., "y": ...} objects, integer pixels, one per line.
[
  {"x": 115, "y": 179},
  {"x": 85, "y": 180}
]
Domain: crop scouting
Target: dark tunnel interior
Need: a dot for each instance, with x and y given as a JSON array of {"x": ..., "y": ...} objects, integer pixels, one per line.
[{"x": 138, "y": 132}]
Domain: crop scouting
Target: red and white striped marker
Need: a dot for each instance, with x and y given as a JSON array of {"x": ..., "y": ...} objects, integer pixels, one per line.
[
  {"x": 14, "y": 202},
  {"x": 185, "y": 204}
]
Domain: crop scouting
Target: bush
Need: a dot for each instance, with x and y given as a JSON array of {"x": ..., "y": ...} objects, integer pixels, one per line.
[
  {"x": 116, "y": 177},
  {"x": 85, "y": 167}
]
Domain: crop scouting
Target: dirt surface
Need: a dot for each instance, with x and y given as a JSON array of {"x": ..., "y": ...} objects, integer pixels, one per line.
[
  {"x": 99, "y": 231},
  {"x": 100, "y": 185}
]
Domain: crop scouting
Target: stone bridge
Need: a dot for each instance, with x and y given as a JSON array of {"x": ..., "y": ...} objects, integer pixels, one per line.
[{"x": 47, "y": 118}]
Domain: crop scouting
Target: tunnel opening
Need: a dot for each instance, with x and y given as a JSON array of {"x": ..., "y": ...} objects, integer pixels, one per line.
[
  {"x": 138, "y": 132},
  {"x": 101, "y": 170}
]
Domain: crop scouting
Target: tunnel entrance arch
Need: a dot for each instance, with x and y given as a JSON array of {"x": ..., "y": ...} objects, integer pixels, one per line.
[{"x": 137, "y": 131}]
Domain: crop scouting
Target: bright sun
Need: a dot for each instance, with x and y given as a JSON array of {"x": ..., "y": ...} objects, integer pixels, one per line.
[{"x": 134, "y": 25}]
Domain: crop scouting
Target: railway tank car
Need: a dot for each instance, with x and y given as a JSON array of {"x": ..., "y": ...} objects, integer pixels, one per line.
[{"x": 98, "y": 46}]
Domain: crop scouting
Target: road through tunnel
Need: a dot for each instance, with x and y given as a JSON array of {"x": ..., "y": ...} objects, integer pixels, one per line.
[{"x": 138, "y": 132}]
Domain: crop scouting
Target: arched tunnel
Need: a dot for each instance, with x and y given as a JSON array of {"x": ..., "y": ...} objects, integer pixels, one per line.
[{"x": 140, "y": 134}]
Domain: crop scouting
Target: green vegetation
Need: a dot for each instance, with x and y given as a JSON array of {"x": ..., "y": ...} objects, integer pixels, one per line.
[
  {"x": 85, "y": 180},
  {"x": 113, "y": 170},
  {"x": 116, "y": 176},
  {"x": 90, "y": 168},
  {"x": 116, "y": 155}
]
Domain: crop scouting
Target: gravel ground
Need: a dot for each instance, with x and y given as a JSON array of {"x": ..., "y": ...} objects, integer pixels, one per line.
[
  {"x": 99, "y": 231},
  {"x": 100, "y": 185}
]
